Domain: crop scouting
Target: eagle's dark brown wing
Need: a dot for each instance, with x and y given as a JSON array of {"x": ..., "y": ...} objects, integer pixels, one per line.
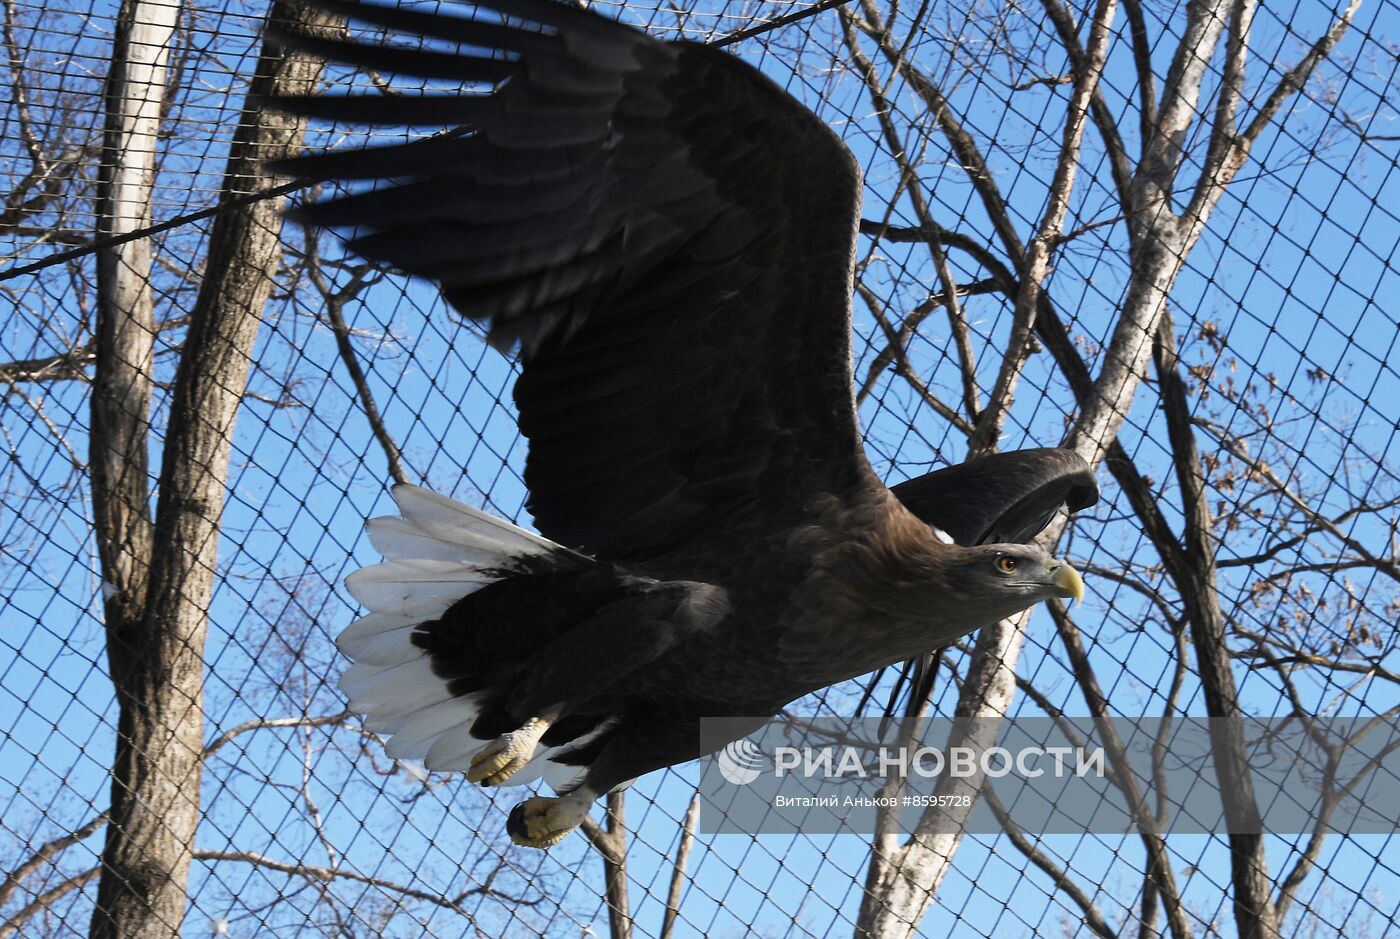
[
  {"x": 667, "y": 234},
  {"x": 1003, "y": 498}
]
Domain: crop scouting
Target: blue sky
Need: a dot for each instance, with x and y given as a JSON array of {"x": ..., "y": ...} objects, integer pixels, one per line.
[{"x": 1296, "y": 271}]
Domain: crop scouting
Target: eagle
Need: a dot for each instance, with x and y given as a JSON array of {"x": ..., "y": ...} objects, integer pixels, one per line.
[{"x": 667, "y": 240}]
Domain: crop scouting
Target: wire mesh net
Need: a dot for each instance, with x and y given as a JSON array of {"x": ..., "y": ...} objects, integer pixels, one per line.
[{"x": 1283, "y": 324}]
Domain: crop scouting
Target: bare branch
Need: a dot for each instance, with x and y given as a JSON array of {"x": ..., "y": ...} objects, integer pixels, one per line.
[
  {"x": 1047, "y": 80},
  {"x": 45, "y": 900},
  {"x": 1118, "y": 161},
  {"x": 906, "y": 371},
  {"x": 1142, "y": 61},
  {"x": 1162, "y": 145},
  {"x": 334, "y": 302},
  {"x": 908, "y": 179},
  {"x": 1159, "y": 867},
  {"x": 786, "y": 19},
  {"x": 267, "y": 723},
  {"x": 45, "y": 856},
  {"x": 1037, "y": 259},
  {"x": 673, "y": 898},
  {"x": 611, "y": 845},
  {"x": 1385, "y": 565},
  {"x": 311, "y": 872},
  {"x": 1093, "y": 918},
  {"x": 19, "y": 94},
  {"x": 66, "y": 366},
  {"x": 964, "y": 147},
  {"x": 1222, "y": 132},
  {"x": 1234, "y": 149}
]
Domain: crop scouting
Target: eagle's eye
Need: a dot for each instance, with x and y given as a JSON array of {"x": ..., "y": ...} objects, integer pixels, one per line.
[{"x": 1006, "y": 564}]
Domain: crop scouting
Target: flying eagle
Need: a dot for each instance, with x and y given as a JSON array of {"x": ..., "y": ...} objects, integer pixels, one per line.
[{"x": 668, "y": 238}]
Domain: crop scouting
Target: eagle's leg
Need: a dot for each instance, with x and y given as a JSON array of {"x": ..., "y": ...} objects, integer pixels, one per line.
[
  {"x": 641, "y": 744},
  {"x": 499, "y": 759},
  {"x": 542, "y": 822}
]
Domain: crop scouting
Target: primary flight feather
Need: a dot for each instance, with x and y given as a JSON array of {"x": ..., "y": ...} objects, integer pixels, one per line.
[{"x": 668, "y": 239}]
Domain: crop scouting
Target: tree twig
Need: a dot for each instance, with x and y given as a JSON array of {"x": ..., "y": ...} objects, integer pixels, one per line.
[{"x": 673, "y": 896}]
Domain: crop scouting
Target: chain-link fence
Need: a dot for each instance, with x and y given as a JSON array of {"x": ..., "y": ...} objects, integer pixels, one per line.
[{"x": 1228, "y": 240}]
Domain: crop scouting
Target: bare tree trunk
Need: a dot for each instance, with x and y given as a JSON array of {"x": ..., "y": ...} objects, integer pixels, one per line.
[
  {"x": 1255, "y": 914},
  {"x": 125, "y": 341},
  {"x": 141, "y": 891},
  {"x": 156, "y": 642},
  {"x": 905, "y": 881},
  {"x": 611, "y": 844}
]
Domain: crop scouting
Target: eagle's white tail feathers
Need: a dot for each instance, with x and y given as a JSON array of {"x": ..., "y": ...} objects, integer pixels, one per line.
[
  {"x": 367, "y": 628},
  {"x": 381, "y": 691},
  {"x": 454, "y": 522},
  {"x": 452, "y": 751},
  {"x": 419, "y": 731},
  {"x": 558, "y": 776},
  {"x": 440, "y": 551},
  {"x": 396, "y": 539},
  {"x": 415, "y": 587},
  {"x": 391, "y": 646}
]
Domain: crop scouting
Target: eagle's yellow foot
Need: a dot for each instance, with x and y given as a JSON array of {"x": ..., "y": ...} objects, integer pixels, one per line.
[
  {"x": 542, "y": 822},
  {"x": 501, "y": 758}
]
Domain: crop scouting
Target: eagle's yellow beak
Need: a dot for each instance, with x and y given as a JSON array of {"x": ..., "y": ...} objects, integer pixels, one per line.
[{"x": 1068, "y": 583}]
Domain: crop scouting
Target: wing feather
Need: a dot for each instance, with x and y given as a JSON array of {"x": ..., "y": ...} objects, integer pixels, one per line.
[
  {"x": 1005, "y": 498},
  {"x": 666, "y": 233}
]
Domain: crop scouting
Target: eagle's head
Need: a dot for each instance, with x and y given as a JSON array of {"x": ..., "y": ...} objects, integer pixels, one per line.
[{"x": 992, "y": 582}]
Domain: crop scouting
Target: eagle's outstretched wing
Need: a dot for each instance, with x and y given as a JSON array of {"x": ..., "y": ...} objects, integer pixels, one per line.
[
  {"x": 1005, "y": 498},
  {"x": 666, "y": 233}
]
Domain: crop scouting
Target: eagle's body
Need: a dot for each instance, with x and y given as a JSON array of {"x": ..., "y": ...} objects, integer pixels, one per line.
[{"x": 669, "y": 238}]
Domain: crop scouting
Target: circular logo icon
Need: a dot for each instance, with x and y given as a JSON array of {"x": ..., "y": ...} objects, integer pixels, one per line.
[{"x": 741, "y": 762}]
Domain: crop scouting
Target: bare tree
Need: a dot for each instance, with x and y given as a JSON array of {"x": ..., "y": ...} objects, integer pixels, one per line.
[{"x": 158, "y": 574}]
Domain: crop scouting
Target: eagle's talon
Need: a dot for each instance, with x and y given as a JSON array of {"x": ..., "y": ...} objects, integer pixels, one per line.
[
  {"x": 542, "y": 822},
  {"x": 503, "y": 757}
]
